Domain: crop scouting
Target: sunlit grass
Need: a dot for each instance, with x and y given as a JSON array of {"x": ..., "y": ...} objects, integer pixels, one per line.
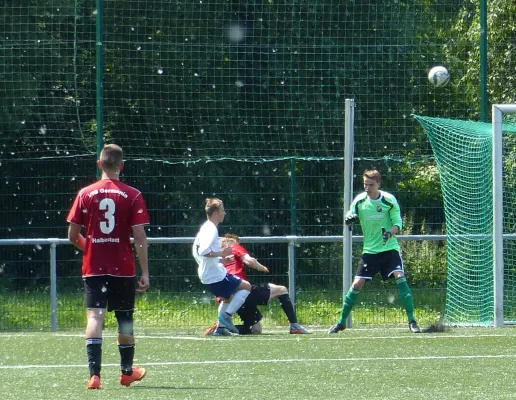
[
  {"x": 156, "y": 310},
  {"x": 385, "y": 363}
]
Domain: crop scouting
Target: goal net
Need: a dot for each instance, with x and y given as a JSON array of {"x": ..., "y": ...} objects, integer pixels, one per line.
[{"x": 464, "y": 156}]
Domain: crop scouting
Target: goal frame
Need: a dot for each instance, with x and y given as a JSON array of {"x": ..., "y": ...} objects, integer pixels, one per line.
[
  {"x": 498, "y": 110},
  {"x": 349, "y": 150}
]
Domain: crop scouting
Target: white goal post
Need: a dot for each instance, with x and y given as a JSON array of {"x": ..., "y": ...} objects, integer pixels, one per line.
[
  {"x": 347, "y": 269},
  {"x": 498, "y": 110}
]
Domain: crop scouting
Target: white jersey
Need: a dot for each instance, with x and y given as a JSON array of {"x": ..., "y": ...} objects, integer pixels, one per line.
[{"x": 210, "y": 269}]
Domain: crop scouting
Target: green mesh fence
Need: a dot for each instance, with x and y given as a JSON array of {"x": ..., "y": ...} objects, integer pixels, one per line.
[
  {"x": 215, "y": 79},
  {"x": 243, "y": 100},
  {"x": 463, "y": 153}
]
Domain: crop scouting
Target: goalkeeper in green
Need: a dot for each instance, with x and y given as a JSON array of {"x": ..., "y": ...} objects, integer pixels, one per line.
[{"x": 379, "y": 215}]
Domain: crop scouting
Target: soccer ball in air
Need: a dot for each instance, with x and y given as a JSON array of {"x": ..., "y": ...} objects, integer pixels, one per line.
[{"x": 439, "y": 76}]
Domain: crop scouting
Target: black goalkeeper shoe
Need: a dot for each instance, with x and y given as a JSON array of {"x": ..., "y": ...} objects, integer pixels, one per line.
[
  {"x": 336, "y": 328},
  {"x": 412, "y": 325}
]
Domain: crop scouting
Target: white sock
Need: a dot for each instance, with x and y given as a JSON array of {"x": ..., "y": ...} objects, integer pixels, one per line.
[
  {"x": 223, "y": 307},
  {"x": 237, "y": 301}
]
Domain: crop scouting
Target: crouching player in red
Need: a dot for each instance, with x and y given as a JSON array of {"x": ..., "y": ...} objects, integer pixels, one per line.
[{"x": 260, "y": 294}]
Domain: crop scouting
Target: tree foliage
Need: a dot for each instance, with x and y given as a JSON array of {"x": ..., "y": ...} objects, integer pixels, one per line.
[{"x": 182, "y": 91}]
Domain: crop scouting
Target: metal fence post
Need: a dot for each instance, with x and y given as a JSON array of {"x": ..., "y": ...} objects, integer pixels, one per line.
[
  {"x": 53, "y": 286},
  {"x": 292, "y": 271}
]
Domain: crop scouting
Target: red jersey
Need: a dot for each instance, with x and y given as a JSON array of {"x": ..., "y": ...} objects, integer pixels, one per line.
[
  {"x": 108, "y": 209},
  {"x": 236, "y": 267}
]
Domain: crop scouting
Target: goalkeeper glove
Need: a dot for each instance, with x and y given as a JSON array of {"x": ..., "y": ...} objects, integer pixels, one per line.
[
  {"x": 386, "y": 235},
  {"x": 351, "y": 218}
]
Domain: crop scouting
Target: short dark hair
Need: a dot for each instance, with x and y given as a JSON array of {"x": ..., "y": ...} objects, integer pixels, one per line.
[
  {"x": 212, "y": 204},
  {"x": 111, "y": 157},
  {"x": 373, "y": 174}
]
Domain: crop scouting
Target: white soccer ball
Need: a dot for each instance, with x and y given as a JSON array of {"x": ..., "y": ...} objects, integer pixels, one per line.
[{"x": 439, "y": 76}]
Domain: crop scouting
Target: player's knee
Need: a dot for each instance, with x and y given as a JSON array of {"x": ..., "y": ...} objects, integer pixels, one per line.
[
  {"x": 277, "y": 291},
  {"x": 358, "y": 284},
  {"x": 125, "y": 322},
  {"x": 256, "y": 328},
  {"x": 95, "y": 319},
  {"x": 282, "y": 290}
]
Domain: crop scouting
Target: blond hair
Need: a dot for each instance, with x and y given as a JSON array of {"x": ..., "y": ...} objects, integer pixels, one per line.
[
  {"x": 228, "y": 240},
  {"x": 212, "y": 204}
]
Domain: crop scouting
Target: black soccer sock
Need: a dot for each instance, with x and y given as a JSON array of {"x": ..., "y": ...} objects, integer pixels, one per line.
[
  {"x": 126, "y": 358},
  {"x": 288, "y": 308},
  {"x": 94, "y": 352}
]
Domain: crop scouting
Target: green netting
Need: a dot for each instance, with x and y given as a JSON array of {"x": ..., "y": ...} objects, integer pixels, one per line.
[
  {"x": 216, "y": 79},
  {"x": 200, "y": 93},
  {"x": 463, "y": 153}
]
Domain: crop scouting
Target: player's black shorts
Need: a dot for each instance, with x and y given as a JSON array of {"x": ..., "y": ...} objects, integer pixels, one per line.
[
  {"x": 112, "y": 292},
  {"x": 386, "y": 263},
  {"x": 260, "y": 294},
  {"x": 249, "y": 313}
]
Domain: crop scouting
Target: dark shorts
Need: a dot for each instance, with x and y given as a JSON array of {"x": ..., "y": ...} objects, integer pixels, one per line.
[
  {"x": 260, "y": 294},
  {"x": 249, "y": 313},
  {"x": 112, "y": 292},
  {"x": 386, "y": 263},
  {"x": 226, "y": 287}
]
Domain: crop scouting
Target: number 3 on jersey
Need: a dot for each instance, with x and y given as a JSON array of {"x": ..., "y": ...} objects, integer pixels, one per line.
[{"x": 109, "y": 206}]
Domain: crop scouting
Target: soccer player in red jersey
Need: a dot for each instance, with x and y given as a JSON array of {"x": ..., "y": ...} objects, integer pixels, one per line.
[
  {"x": 260, "y": 294},
  {"x": 109, "y": 210}
]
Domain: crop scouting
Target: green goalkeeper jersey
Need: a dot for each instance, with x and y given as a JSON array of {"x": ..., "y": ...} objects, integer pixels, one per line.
[{"x": 384, "y": 212}]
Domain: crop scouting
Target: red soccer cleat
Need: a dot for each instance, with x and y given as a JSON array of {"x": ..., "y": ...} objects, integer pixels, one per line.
[
  {"x": 94, "y": 382},
  {"x": 209, "y": 331},
  {"x": 137, "y": 375}
]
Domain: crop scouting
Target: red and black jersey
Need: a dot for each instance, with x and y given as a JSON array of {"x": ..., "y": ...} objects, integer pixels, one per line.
[
  {"x": 108, "y": 209},
  {"x": 237, "y": 267}
]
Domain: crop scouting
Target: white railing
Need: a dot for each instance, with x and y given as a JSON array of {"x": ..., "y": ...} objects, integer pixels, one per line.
[{"x": 291, "y": 241}]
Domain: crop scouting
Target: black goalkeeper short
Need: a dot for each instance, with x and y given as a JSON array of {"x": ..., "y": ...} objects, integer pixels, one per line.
[{"x": 386, "y": 263}]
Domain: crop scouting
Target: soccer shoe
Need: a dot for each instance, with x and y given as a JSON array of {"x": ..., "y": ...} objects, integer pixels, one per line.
[
  {"x": 94, "y": 382},
  {"x": 225, "y": 320},
  {"x": 210, "y": 330},
  {"x": 336, "y": 328},
  {"x": 221, "y": 331},
  {"x": 137, "y": 375},
  {"x": 412, "y": 325},
  {"x": 296, "y": 329}
]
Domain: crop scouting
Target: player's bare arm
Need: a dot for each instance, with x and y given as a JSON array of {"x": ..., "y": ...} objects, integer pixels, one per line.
[
  {"x": 252, "y": 262},
  {"x": 75, "y": 236},
  {"x": 140, "y": 244}
]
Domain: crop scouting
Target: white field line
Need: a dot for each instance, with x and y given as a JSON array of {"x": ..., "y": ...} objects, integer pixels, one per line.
[
  {"x": 281, "y": 338},
  {"x": 272, "y": 361},
  {"x": 275, "y": 337}
]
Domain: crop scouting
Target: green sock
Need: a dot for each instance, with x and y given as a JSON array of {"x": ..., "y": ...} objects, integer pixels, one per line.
[
  {"x": 406, "y": 296},
  {"x": 349, "y": 302}
]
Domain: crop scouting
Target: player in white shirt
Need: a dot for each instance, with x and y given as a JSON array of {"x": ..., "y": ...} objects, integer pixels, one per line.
[{"x": 207, "y": 253}]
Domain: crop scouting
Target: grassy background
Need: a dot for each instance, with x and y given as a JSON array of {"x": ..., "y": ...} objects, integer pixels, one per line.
[
  {"x": 382, "y": 363},
  {"x": 31, "y": 310}
]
